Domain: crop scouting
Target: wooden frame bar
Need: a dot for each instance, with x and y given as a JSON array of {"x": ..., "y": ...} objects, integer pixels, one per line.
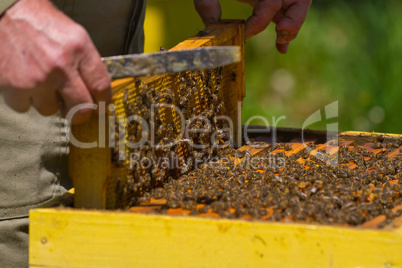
[{"x": 73, "y": 238}]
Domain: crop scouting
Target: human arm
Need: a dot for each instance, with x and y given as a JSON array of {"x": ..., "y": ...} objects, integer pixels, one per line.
[
  {"x": 288, "y": 15},
  {"x": 47, "y": 59}
]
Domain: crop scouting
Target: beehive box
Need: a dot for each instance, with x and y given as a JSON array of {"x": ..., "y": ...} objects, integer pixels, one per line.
[{"x": 138, "y": 237}]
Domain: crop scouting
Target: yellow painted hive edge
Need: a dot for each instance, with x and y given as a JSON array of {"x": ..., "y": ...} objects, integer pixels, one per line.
[{"x": 80, "y": 238}]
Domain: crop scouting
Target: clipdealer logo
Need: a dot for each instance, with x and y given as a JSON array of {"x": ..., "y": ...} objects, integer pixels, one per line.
[
  {"x": 328, "y": 114},
  {"x": 148, "y": 128}
]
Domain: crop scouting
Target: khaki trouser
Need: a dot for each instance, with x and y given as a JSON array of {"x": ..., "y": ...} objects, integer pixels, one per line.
[{"x": 34, "y": 149}]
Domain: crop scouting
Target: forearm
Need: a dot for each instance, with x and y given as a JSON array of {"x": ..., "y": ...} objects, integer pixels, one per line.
[{"x": 5, "y": 4}]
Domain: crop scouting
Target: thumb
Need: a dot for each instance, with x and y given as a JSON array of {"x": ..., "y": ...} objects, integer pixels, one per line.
[{"x": 209, "y": 10}]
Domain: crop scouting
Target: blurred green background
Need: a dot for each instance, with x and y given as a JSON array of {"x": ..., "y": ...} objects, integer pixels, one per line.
[{"x": 347, "y": 51}]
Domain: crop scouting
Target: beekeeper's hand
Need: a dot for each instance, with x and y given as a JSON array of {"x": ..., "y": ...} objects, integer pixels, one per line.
[
  {"x": 46, "y": 59},
  {"x": 288, "y": 15}
]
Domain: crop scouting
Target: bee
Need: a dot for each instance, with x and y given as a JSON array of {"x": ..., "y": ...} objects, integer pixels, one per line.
[
  {"x": 161, "y": 175},
  {"x": 145, "y": 198},
  {"x": 168, "y": 96},
  {"x": 383, "y": 223},
  {"x": 117, "y": 157},
  {"x": 131, "y": 109},
  {"x": 204, "y": 209},
  {"x": 220, "y": 70},
  {"x": 152, "y": 91},
  {"x": 220, "y": 109},
  {"x": 126, "y": 96},
  {"x": 161, "y": 132},
  {"x": 202, "y": 76},
  {"x": 208, "y": 113},
  {"x": 159, "y": 193},
  {"x": 145, "y": 113},
  {"x": 377, "y": 145},
  {"x": 137, "y": 82},
  {"x": 202, "y": 33},
  {"x": 139, "y": 101},
  {"x": 118, "y": 186},
  {"x": 184, "y": 102},
  {"x": 233, "y": 76},
  {"x": 217, "y": 90},
  {"x": 218, "y": 80},
  {"x": 147, "y": 180},
  {"x": 185, "y": 168},
  {"x": 379, "y": 138},
  {"x": 206, "y": 91},
  {"x": 171, "y": 129},
  {"x": 189, "y": 205},
  {"x": 208, "y": 82},
  {"x": 288, "y": 147},
  {"x": 214, "y": 98},
  {"x": 172, "y": 203}
]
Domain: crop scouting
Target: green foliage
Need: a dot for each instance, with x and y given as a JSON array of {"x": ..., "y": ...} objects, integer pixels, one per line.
[{"x": 349, "y": 51}]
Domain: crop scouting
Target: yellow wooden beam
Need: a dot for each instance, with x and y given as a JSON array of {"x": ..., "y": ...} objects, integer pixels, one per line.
[
  {"x": 368, "y": 134},
  {"x": 89, "y": 168},
  {"x": 74, "y": 238},
  {"x": 154, "y": 27}
]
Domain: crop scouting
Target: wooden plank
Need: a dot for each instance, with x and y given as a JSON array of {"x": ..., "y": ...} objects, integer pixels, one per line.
[
  {"x": 240, "y": 83},
  {"x": 297, "y": 147},
  {"x": 120, "y": 82},
  {"x": 368, "y": 134},
  {"x": 395, "y": 152},
  {"x": 72, "y": 238},
  {"x": 253, "y": 150},
  {"x": 330, "y": 149},
  {"x": 377, "y": 220},
  {"x": 89, "y": 168},
  {"x": 215, "y": 34},
  {"x": 370, "y": 148}
]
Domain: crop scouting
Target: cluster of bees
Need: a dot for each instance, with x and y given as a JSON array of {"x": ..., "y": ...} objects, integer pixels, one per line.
[
  {"x": 191, "y": 102},
  {"x": 312, "y": 190}
]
